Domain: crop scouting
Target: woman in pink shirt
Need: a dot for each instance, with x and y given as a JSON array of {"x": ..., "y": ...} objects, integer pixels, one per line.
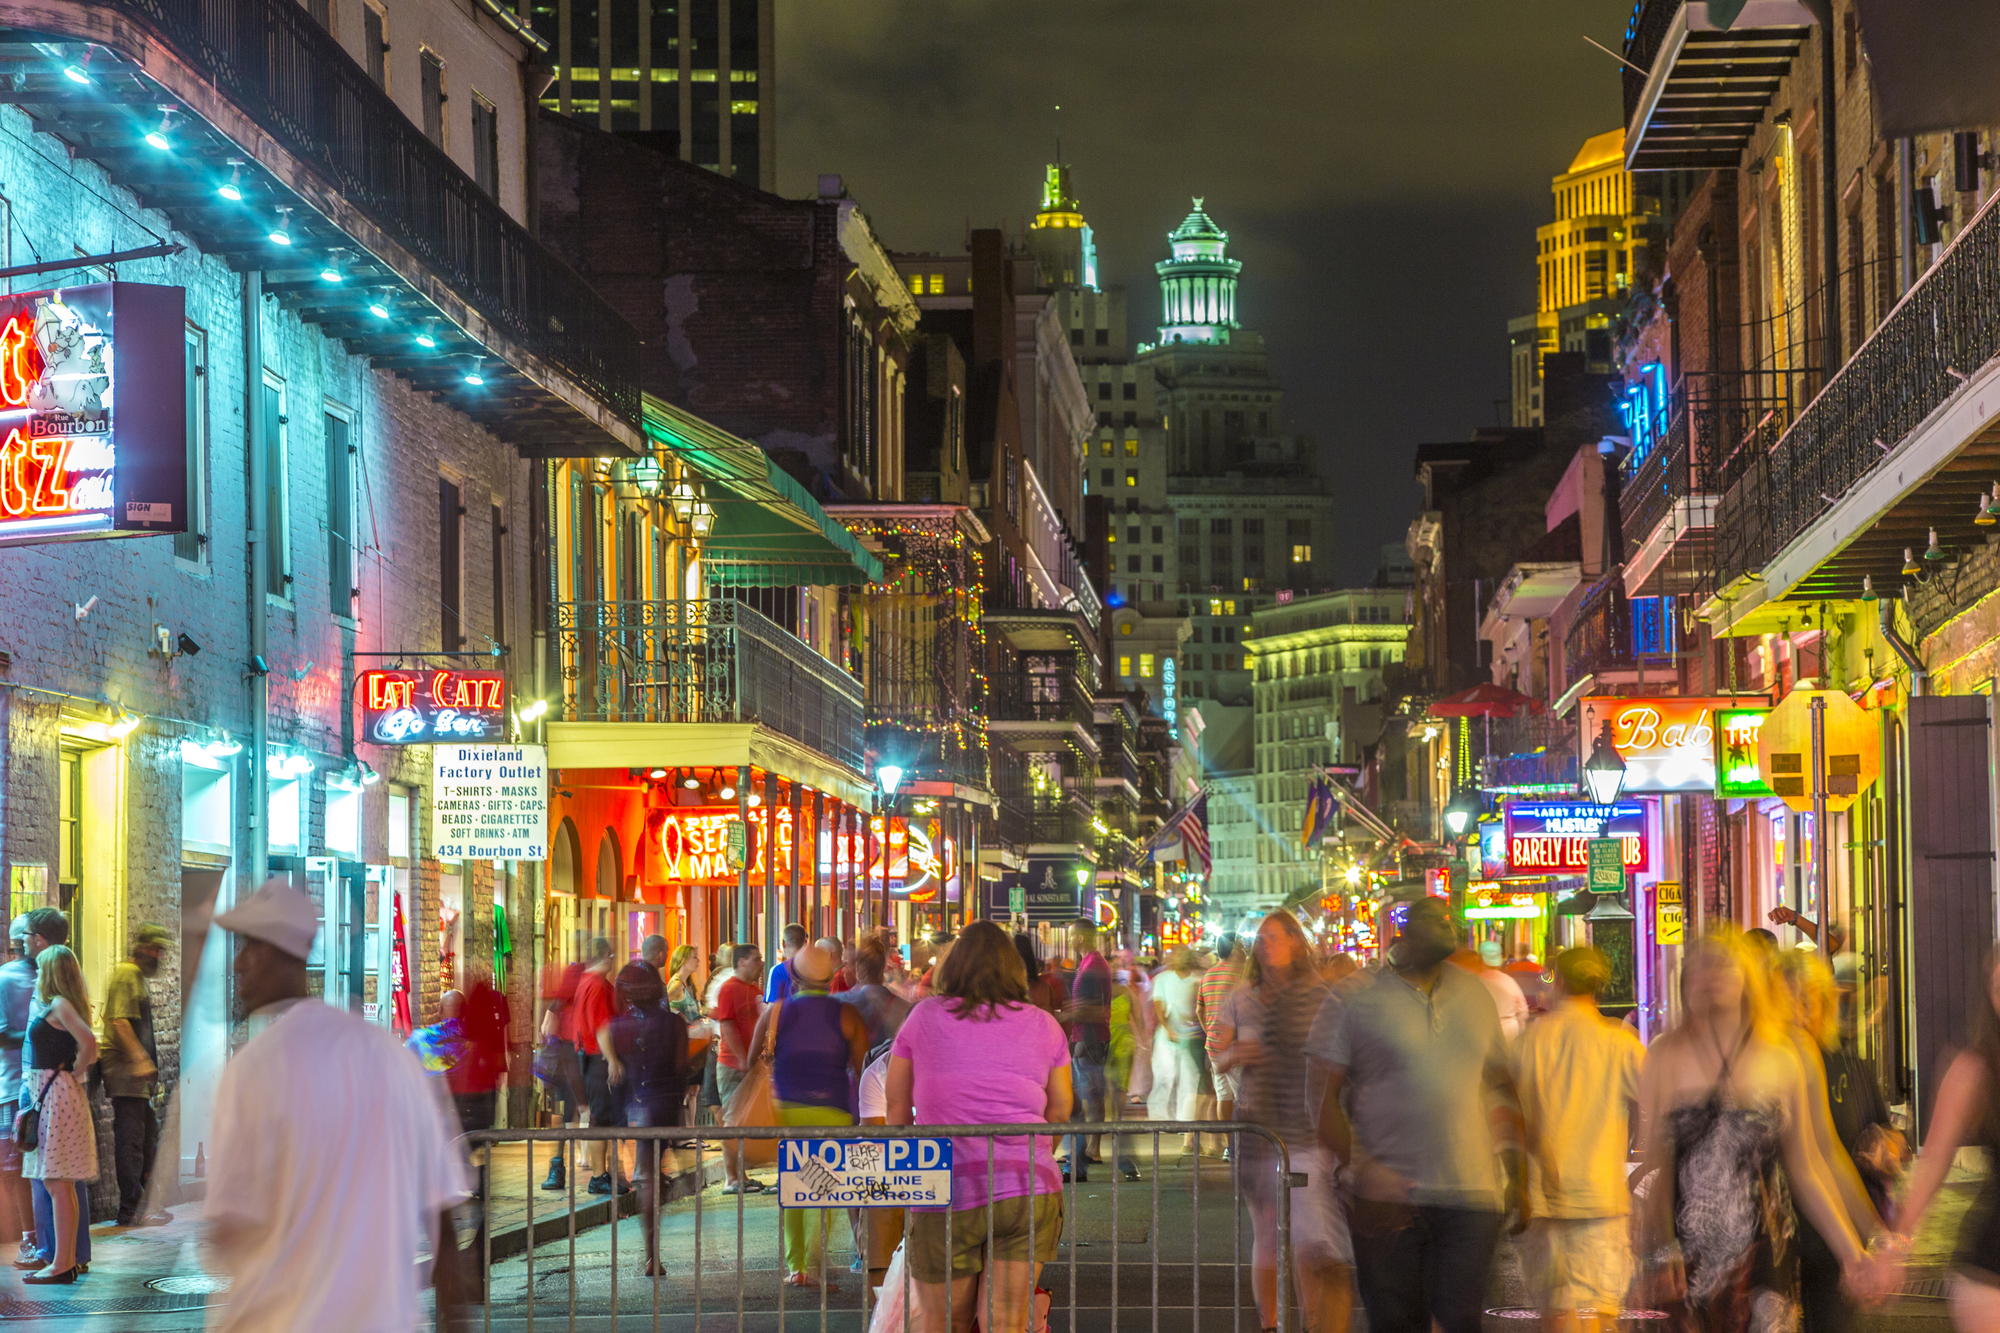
[{"x": 978, "y": 1053}]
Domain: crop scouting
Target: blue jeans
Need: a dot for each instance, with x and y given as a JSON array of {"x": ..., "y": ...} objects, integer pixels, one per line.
[
  {"x": 45, "y": 1222},
  {"x": 1087, "y": 1078}
]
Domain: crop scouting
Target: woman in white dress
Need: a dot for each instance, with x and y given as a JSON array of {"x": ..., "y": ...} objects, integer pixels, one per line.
[{"x": 60, "y": 1046}]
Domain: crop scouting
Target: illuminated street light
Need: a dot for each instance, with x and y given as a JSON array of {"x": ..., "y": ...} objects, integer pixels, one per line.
[{"x": 1604, "y": 771}]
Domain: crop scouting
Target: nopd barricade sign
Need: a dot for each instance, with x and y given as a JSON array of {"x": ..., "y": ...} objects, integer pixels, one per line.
[{"x": 864, "y": 1173}]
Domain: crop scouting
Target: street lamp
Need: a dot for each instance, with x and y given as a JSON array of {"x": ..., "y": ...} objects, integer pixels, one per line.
[
  {"x": 1460, "y": 813},
  {"x": 1082, "y": 876},
  {"x": 1604, "y": 771},
  {"x": 891, "y": 777}
]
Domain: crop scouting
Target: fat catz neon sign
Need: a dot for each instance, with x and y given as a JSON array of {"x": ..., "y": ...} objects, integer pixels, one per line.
[
  {"x": 93, "y": 413},
  {"x": 418, "y": 707}
]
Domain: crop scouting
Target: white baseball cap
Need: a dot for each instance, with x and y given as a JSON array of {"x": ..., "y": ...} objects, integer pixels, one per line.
[
  {"x": 19, "y": 930},
  {"x": 277, "y": 914}
]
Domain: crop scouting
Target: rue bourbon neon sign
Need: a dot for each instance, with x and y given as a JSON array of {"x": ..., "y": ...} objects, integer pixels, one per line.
[
  {"x": 417, "y": 707},
  {"x": 93, "y": 413}
]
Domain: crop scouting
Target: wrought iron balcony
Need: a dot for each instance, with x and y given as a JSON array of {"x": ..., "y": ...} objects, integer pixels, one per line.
[
  {"x": 1053, "y": 698},
  {"x": 1938, "y": 336},
  {"x": 1065, "y": 822},
  {"x": 713, "y": 660},
  {"x": 321, "y": 138},
  {"x": 932, "y": 756}
]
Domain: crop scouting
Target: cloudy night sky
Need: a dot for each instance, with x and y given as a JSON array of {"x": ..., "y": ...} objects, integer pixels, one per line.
[{"x": 1380, "y": 168}]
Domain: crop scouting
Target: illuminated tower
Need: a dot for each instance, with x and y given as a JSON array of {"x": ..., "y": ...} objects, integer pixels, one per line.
[
  {"x": 1060, "y": 240},
  {"x": 1198, "y": 285}
]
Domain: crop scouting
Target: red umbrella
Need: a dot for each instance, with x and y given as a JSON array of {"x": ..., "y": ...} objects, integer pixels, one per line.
[{"x": 1488, "y": 701}]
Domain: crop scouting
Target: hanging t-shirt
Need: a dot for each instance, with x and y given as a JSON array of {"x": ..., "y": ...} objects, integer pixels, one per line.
[{"x": 333, "y": 1158}]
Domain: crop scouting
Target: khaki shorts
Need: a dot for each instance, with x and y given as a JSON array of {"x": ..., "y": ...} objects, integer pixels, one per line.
[
  {"x": 926, "y": 1239},
  {"x": 1577, "y": 1263}
]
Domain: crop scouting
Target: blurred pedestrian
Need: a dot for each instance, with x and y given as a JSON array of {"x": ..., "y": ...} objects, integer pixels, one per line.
[
  {"x": 558, "y": 1065},
  {"x": 1577, "y": 1075},
  {"x": 1180, "y": 1047},
  {"x": 653, "y": 953},
  {"x": 1130, "y": 1032},
  {"x": 476, "y": 1083},
  {"x": 17, "y": 993},
  {"x": 1264, "y": 1034},
  {"x": 778, "y": 982},
  {"x": 131, "y": 1068},
  {"x": 1045, "y": 990},
  {"x": 735, "y": 1016},
  {"x": 1729, "y": 1126},
  {"x": 647, "y": 1059},
  {"x": 1217, "y": 985},
  {"x": 1512, "y": 1005},
  {"x": 333, "y": 1160},
  {"x": 60, "y": 1046},
  {"x": 978, "y": 1053},
  {"x": 595, "y": 1005},
  {"x": 881, "y": 1009},
  {"x": 843, "y": 979},
  {"x": 819, "y": 1047},
  {"x": 1851, "y": 1127},
  {"x": 1088, "y": 1019},
  {"x": 683, "y": 988},
  {"x": 1966, "y": 1115},
  {"x": 47, "y": 928},
  {"x": 1418, "y": 1052}
]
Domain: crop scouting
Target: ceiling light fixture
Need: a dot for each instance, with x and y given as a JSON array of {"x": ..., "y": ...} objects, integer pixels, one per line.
[
  {"x": 428, "y": 337},
  {"x": 281, "y": 232},
  {"x": 158, "y": 135},
  {"x": 473, "y": 374},
  {"x": 232, "y": 189},
  {"x": 378, "y": 306},
  {"x": 330, "y": 270}
]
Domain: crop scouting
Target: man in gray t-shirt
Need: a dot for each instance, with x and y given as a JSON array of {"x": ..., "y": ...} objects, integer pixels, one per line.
[{"x": 1418, "y": 1055}]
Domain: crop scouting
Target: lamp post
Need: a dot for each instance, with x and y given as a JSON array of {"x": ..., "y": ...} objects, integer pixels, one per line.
[
  {"x": 1613, "y": 928},
  {"x": 888, "y": 777},
  {"x": 1604, "y": 771}
]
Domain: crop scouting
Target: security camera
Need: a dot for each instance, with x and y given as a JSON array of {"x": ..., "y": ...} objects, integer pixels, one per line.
[{"x": 187, "y": 645}]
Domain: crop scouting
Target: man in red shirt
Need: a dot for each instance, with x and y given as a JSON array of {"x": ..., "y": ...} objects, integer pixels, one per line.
[
  {"x": 735, "y": 1014},
  {"x": 590, "y": 1013}
]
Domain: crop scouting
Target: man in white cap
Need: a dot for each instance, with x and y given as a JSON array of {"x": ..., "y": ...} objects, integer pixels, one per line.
[{"x": 333, "y": 1162}]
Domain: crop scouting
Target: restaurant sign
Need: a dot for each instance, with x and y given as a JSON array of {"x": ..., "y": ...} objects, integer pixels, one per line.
[
  {"x": 93, "y": 413},
  {"x": 400, "y": 707},
  {"x": 1553, "y": 838}
]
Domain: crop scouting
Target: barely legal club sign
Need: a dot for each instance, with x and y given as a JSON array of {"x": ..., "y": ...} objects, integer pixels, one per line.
[
  {"x": 93, "y": 413},
  {"x": 1553, "y": 837},
  {"x": 400, "y": 707}
]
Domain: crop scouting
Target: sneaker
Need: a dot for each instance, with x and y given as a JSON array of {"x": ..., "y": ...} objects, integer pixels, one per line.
[
  {"x": 28, "y": 1250},
  {"x": 555, "y": 1180},
  {"x": 601, "y": 1184}
]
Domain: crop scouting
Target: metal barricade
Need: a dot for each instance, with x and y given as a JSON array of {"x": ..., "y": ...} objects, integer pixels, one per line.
[{"x": 703, "y": 1288}]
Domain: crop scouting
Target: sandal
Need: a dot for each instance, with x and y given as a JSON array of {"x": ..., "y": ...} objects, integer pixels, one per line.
[
  {"x": 652, "y": 1268},
  {"x": 808, "y": 1280}
]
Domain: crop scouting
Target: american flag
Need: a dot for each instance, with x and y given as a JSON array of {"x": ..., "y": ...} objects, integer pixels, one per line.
[{"x": 1191, "y": 827}]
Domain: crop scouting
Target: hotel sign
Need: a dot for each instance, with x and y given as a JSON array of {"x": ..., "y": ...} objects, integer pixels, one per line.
[
  {"x": 93, "y": 413},
  {"x": 1553, "y": 838}
]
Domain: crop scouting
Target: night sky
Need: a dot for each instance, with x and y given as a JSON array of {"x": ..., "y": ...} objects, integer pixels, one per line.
[{"x": 1380, "y": 168}]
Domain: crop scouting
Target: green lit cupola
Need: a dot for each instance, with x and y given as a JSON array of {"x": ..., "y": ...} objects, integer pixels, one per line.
[
  {"x": 1198, "y": 285},
  {"x": 1064, "y": 248}
]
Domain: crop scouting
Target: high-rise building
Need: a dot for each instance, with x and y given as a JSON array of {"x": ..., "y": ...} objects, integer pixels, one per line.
[
  {"x": 1250, "y": 521},
  {"x": 1586, "y": 263},
  {"x": 1318, "y": 664},
  {"x": 700, "y": 74}
]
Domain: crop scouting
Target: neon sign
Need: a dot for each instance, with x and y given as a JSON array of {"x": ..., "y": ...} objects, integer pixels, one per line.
[
  {"x": 401, "y": 707},
  {"x": 1168, "y": 708},
  {"x": 93, "y": 413},
  {"x": 1667, "y": 744},
  {"x": 1737, "y": 770}
]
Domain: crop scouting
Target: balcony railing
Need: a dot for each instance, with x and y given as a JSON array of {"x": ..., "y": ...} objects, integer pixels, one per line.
[
  {"x": 1943, "y": 330},
  {"x": 714, "y": 660},
  {"x": 1051, "y": 697},
  {"x": 1600, "y": 638},
  {"x": 1715, "y": 426},
  {"x": 300, "y": 86},
  {"x": 1067, "y": 821},
  {"x": 932, "y": 756}
]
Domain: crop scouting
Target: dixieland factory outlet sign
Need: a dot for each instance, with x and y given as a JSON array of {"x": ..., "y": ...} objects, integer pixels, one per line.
[{"x": 490, "y": 802}]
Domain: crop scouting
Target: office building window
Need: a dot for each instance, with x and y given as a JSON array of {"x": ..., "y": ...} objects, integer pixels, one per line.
[
  {"x": 1190, "y": 527},
  {"x": 1302, "y": 555},
  {"x": 1159, "y": 564},
  {"x": 1215, "y": 606},
  {"x": 1218, "y": 527},
  {"x": 1131, "y": 390},
  {"x": 1159, "y": 535},
  {"x": 1104, "y": 337},
  {"x": 1107, "y": 477},
  {"x": 937, "y": 284},
  {"x": 1132, "y": 564},
  {"x": 1125, "y": 666},
  {"x": 1131, "y": 448},
  {"x": 1132, "y": 534},
  {"x": 1145, "y": 666},
  {"x": 1131, "y": 476}
]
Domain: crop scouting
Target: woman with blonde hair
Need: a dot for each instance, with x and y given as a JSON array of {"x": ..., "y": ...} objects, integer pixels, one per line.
[
  {"x": 1729, "y": 1127},
  {"x": 1850, "y": 1125},
  {"x": 60, "y": 1043}
]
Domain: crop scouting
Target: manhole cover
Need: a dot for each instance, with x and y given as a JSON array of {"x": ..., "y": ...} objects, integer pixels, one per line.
[
  {"x": 151, "y": 1303},
  {"x": 196, "y": 1284}
]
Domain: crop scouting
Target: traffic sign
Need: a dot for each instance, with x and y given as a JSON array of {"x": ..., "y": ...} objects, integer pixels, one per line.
[
  {"x": 1851, "y": 740},
  {"x": 863, "y": 1173},
  {"x": 1607, "y": 865}
]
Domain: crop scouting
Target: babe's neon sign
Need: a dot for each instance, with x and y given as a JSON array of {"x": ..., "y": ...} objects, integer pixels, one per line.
[{"x": 416, "y": 707}]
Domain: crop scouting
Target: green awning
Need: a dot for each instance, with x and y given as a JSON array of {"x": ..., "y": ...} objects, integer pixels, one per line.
[{"x": 769, "y": 532}]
